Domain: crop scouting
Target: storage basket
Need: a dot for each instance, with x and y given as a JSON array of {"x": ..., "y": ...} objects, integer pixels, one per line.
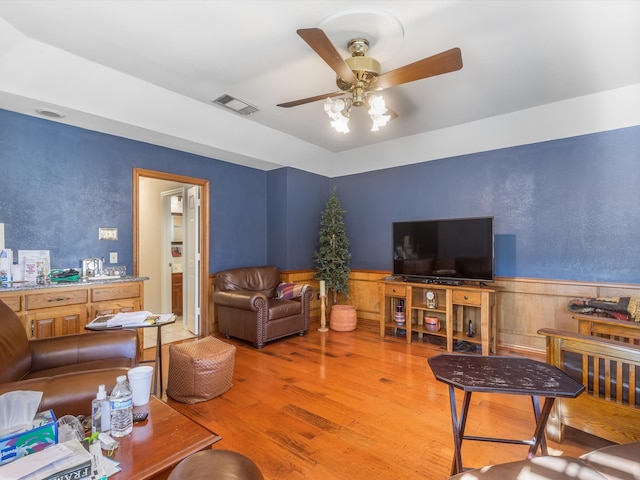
[
  {"x": 200, "y": 370},
  {"x": 343, "y": 318}
]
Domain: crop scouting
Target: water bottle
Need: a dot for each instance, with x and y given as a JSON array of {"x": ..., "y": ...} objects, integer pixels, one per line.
[
  {"x": 100, "y": 412},
  {"x": 121, "y": 408}
]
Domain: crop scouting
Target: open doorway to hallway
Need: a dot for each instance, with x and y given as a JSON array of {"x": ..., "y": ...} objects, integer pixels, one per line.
[
  {"x": 167, "y": 247},
  {"x": 174, "y": 332}
]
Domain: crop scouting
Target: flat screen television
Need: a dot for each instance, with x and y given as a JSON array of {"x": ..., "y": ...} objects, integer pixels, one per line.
[{"x": 448, "y": 251}]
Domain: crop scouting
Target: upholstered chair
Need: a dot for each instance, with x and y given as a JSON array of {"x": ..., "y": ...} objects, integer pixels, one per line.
[{"x": 253, "y": 304}]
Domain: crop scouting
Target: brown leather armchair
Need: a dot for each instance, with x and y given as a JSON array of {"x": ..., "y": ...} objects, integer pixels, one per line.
[
  {"x": 66, "y": 369},
  {"x": 247, "y": 307}
]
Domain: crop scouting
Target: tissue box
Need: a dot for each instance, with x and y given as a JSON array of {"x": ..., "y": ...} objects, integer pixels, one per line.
[{"x": 42, "y": 434}]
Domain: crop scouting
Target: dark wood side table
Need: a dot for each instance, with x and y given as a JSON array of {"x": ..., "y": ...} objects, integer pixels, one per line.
[{"x": 506, "y": 375}]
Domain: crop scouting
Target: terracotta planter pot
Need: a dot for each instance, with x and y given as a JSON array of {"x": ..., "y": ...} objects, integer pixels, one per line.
[{"x": 343, "y": 318}]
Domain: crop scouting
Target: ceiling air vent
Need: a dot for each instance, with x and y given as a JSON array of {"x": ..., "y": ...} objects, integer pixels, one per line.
[{"x": 238, "y": 106}]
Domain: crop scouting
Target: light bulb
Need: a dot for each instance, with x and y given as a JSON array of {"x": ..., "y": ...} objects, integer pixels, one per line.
[
  {"x": 341, "y": 124},
  {"x": 376, "y": 105},
  {"x": 379, "y": 121}
]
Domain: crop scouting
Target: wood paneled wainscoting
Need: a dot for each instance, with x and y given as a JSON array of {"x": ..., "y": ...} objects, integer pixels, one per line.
[
  {"x": 524, "y": 305},
  {"x": 363, "y": 291}
]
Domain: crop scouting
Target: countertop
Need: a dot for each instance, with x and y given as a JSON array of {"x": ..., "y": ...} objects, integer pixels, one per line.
[{"x": 19, "y": 286}]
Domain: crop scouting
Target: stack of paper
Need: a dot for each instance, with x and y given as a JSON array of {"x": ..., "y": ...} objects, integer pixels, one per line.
[
  {"x": 128, "y": 319},
  {"x": 60, "y": 461}
]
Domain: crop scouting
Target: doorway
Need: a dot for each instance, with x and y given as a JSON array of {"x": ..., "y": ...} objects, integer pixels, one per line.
[{"x": 152, "y": 256}]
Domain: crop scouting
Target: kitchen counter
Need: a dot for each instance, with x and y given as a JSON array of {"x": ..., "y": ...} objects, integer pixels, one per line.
[
  {"x": 19, "y": 286},
  {"x": 63, "y": 308}
]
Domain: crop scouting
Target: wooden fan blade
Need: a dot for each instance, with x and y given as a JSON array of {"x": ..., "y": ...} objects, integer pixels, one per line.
[
  {"x": 444, "y": 62},
  {"x": 310, "y": 99},
  {"x": 320, "y": 43}
]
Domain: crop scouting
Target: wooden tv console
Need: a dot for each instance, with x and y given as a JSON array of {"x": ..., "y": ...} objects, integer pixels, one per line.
[{"x": 455, "y": 307}]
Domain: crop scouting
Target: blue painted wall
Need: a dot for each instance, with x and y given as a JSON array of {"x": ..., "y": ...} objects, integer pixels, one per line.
[
  {"x": 567, "y": 209},
  {"x": 61, "y": 183},
  {"x": 296, "y": 200}
]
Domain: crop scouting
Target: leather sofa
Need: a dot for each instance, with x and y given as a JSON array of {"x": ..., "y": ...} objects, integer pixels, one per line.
[
  {"x": 247, "y": 306},
  {"x": 614, "y": 462},
  {"x": 66, "y": 369}
]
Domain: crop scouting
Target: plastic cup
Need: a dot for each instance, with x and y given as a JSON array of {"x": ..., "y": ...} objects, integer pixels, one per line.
[{"x": 140, "y": 381}]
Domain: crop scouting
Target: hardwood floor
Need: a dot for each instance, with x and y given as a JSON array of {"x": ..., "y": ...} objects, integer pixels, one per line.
[{"x": 350, "y": 405}]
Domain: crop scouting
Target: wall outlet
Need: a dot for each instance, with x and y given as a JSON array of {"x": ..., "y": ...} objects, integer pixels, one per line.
[{"x": 113, "y": 257}]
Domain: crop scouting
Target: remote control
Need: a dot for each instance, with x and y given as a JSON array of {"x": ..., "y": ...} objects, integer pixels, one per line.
[{"x": 140, "y": 417}]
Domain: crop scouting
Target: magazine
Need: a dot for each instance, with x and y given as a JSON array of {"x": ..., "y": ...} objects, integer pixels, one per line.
[
  {"x": 130, "y": 320},
  {"x": 58, "y": 462}
]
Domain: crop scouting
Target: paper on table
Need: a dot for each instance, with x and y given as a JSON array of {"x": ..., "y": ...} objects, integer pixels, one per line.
[
  {"x": 110, "y": 466},
  {"x": 46, "y": 462},
  {"x": 128, "y": 319},
  {"x": 160, "y": 318},
  {"x": 145, "y": 319}
]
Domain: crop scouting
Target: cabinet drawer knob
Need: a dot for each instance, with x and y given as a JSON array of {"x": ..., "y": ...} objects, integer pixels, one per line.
[
  {"x": 58, "y": 299},
  {"x": 466, "y": 297}
]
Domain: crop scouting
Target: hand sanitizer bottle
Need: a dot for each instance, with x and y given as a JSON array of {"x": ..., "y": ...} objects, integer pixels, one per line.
[{"x": 101, "y": 412}]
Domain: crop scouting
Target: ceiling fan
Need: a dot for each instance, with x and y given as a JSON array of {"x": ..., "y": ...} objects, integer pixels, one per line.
[{"x": 359, "y": 75}]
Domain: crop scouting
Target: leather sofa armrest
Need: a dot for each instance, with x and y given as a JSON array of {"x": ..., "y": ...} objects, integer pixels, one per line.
[
  {"x": 69, "y": 393},
  {"x": 306, "y": 297},
  {"x": 55, "y": 352},
  {"x": 239, "y": 299}
]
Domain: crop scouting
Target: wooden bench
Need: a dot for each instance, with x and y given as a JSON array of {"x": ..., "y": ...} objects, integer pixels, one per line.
[
  {"x": 607, "y": 350},
  {"x": 621, "y": 330}
]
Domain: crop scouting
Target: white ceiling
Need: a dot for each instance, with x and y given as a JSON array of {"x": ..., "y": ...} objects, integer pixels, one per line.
[{"x": 148, "y": 70}]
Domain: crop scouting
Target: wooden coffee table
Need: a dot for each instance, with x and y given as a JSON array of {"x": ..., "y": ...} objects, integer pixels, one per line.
[{"x": 159, "y": 443}]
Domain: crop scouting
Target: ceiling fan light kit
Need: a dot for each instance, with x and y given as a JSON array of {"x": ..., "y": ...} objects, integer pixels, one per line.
[
  {"x": 338, "y": 111},
  {"x": 377, "y": 110},
  {"x": 359, "y": 75}
]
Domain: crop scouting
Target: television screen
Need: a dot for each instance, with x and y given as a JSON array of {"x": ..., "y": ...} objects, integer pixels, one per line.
[{"x": 444, "y": 251}]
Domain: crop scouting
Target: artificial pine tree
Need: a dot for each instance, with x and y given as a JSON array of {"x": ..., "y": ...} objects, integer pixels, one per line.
[{"x": 332, "y": 257}]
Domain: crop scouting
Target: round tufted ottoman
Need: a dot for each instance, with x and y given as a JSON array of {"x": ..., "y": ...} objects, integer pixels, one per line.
[
  {"x": 216, "y": 465},
  {"x": 538, "y": 468},
  {"x": 200, "y": 370}
]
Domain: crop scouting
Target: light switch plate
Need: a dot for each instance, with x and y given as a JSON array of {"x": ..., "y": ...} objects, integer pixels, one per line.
[
  {"x": 107, "y": 233},
  {"x": 113, "y": 257}
]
